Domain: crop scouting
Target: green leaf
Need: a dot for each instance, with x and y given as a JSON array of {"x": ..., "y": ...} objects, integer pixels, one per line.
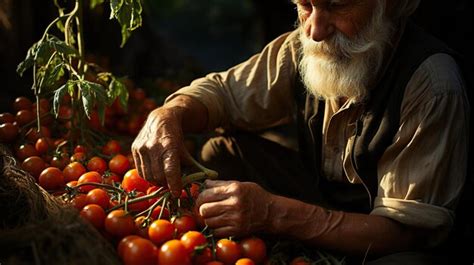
[
  {"x": 59, "y": 94},
  {"x": 86, "y": 97},
  {"x": 115, "y": 6},
  {"x": 128, "y": 14},
  {"x": 39, "y": 53},
  {"x": 118, "y": 90},
  {"x": 62, "y": 47},
  {"x": 94, "y": 3}
]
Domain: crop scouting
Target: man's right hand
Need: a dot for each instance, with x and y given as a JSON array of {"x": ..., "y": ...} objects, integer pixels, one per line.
[{"x": 158, "y": 148}]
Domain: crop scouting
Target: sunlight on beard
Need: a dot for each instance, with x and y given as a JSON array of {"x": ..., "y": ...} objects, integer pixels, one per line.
[{"x": 342, "y": 68}]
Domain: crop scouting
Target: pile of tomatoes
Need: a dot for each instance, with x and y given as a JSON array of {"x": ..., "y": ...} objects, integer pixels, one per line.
[{"x": 144, "y": 222}]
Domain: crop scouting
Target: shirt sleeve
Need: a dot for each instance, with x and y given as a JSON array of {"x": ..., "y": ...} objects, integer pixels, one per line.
[
  {"x": 255, "y": 94},
  {"x": 422, "y": 173}
]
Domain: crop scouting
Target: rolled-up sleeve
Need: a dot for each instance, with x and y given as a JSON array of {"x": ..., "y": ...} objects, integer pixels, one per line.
[
  {"x": 422, "y": 173},
  {"x": 255, "y": 94}
]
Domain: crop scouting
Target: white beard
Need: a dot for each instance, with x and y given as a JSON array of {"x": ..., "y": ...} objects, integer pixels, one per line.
[{"x": 342, "y": 68}]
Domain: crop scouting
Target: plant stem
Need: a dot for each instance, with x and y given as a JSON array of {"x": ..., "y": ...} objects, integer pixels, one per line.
[{"x": 80, "y": 36}]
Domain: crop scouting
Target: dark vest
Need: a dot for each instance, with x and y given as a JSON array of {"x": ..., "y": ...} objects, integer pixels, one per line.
[{"x": 374, "y": 128}]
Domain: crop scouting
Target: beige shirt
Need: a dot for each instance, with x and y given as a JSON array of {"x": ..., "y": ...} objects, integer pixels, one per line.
[{"x": 420, "y": 174}]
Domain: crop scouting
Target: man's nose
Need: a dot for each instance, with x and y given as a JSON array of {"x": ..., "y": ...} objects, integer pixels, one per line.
[{"x": 319, "y": 25}]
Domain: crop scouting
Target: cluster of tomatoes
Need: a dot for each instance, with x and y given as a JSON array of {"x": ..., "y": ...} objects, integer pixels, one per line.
[{"x": 144, "y": 222}]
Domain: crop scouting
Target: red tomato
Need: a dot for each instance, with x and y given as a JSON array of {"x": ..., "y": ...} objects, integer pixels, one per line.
[
  {"x": 79, "y": 157},
  {"x": 73, "y": 171},
  {"x": 161, "y": 231},
  {"x": 172, "y": 253},
  {"x": 8, "y": 132},
  {"x": 24, "y": 117},
  {"x": 156, "y": 213},
  {"x": 26, "y": 150},
  {"x": 203, "y": 258},
  {"x": 120, "y": 224},
  {"x": 132, "y": 181},
  {"x": 60, "y": 160},
  {"x": 110, "y": 178},
  {"x": 6, "y": 117},
  {"x": 254, "y": 248},
  {"x": 95, "y": 214},
  {"x": 214, "y": 262},
  {"x": 184, "y": 223},
  {"x": 97, "y": 164},
  {"x": 138, "y": 206},
  {"x": 91, "y": 176},
  {"x": 33, "y": 165},
  {"x": 112, "y": 147},
  {"x": 99, "y": 197},
  {"x": 80, "y": 149},
  {"x": 43, "y": 144},
  {"x": 119, "y": 164},
  {"x": 245, "y": 261},
  {"x": 193, "y": 239},
  {"x": 51, "y": 178},
  {"x": 228, "y": 251},
  {"x": 140, "y": 251},
  {"x": 33, "y": 134},
  {"x": 141, "y": 226},
  {"x": 123, "y": 242},
  {"x": 22, "y": 103},
  {"x": 79, "y": 201}
]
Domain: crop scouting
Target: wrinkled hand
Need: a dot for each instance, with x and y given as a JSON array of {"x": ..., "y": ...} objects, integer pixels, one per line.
[
  {"x": 158, "y": 148},
  {"x": 233, "y": 208}
]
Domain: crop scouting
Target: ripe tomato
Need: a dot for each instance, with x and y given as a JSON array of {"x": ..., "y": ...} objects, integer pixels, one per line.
[
  {"x": 119, "y": 224},
  {"x": 112, "y": 147},
  {"x": 132, "y": 181},
  {"x": 173, "y": 252},
  {"x": 24, "y": 117},
  {"x": 7, "y": 117},
  {"x": 140, "y": 251},
  {"x": 192, "y": 239},
  {"x": 156, "y": 213},
  {"x": 25, "y": 150},
  {"x": 194, "y": 190},
  {"x": 141, "y": 226},
  {"x": 110, "y": 178},
  {"x": 119, "y": 164},
  {"x": 138, "y": 206},
  {"x": 95, "y": 214},
  {"x": 203, "y": 258},
  {"x": 215, "y": 262},
  {"x": 51, "y": 178},
  {"x": 161, "y": 231},
  {"x": 228, "y": 251},
  {"x": 99, "y": 197},
  {"x": 254, "y": 248},
  {"x": 80, "y": 149},
  {"x": 79, "y": 201},
  {"x": 79, "y": 157},
  {"x": 33, "y": 165},
  {"x": 73, "y": 171},
  {"x": 8, "y": 132},
  {"x": 245, "y": 261},
  {"x": 22, "y": 103},
  {"x": 91, "y": 176},
  {"x": 184, "y": 223},
  {"x": 97, "y": 164},
  {"x": 60, "y": 161},
  {"x": 43, "y": 144},
  {"x": 123, "y": 242}
]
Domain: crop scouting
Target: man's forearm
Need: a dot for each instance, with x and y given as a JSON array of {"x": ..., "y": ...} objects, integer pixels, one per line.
[
  {"x": 348, "y": 233},
  {"x": 193, "y": 114}
]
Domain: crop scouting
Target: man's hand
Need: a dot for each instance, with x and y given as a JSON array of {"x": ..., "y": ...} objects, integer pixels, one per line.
[
  {"x": 233, "y": 208},
  {"x": 158, "y": 148}
]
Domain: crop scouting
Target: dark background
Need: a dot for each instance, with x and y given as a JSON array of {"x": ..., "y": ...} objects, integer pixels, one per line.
[{"x": 184, "y": 39}]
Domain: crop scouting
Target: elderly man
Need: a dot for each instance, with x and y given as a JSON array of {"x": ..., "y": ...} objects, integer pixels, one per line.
[{"x": 382, "y": 121}]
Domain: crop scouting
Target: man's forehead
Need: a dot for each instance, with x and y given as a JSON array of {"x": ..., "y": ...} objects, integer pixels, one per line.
[{"x": 319, "y": 2}]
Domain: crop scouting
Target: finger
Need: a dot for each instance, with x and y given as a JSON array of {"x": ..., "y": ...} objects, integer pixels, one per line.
[
  {"x": 217, "y": 183},
  {"x": 226, "y": 231},
  {"x": 146, "y": 169},
  {"x": 212, "y": 209},
  {"x": 172, "y": 172},
  {"x": 156, "y": 168},
  {"x": 212, "y": 195}
]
